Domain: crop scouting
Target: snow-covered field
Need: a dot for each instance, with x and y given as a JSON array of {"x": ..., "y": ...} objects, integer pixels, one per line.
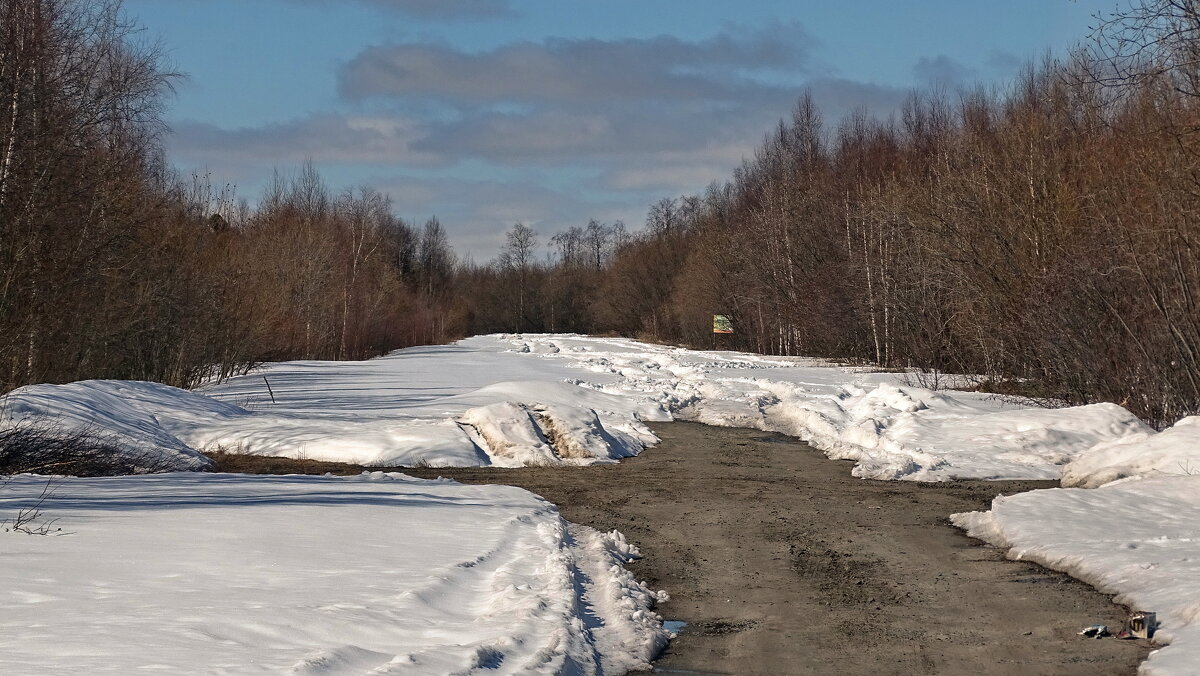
[
  {"x": 378, "y": 574},
  {"x": 511, "y": 400}
]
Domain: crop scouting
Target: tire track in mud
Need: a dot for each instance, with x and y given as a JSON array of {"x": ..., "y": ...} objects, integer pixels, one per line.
[{"x": 782, "y": 563}]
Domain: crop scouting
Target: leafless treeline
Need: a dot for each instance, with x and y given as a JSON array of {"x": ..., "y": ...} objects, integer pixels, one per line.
[
  {"x": 111, "y": 266},
  {"x": 1044, "y": 236},
  {"x": 521, "y": 292}
]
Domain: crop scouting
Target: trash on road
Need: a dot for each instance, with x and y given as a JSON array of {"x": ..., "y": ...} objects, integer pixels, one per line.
[
  {"x": 1095, "y": 631},
  {"x": 1141, "y": 624}
]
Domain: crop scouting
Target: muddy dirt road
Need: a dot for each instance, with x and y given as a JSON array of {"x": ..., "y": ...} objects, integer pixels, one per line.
[{"x": 782, "y": 563}]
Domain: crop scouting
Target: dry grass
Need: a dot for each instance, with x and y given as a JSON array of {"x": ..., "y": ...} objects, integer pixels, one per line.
[{"x": 238, "y": 463}]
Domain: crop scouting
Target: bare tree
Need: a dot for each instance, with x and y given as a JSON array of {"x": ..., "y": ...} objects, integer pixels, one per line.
[
  {"x": 79, "y": 117},
  {"x": 434, "y": 257},
  {"x": 570, "y": 247},
  {"x": 517, "y": 258},
  {"x": 1149, "y": 39}
]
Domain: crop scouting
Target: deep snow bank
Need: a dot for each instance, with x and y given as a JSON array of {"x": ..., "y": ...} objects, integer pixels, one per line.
[
  {"x": 134, "y": 416},
  {"x": 1136, "y": 538},
  {"x": 383, "y": 412},
  {"x": 1174, "y": 451},
  {"x": 892, "y": 430},
  {"x": 199, "y": 573},
  {"x": 562, "y": 399}
]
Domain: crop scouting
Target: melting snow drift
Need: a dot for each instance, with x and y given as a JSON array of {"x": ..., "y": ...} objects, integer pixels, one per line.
[
  {"x": 381, "y": 574},
  {"x": 1136, "y": 538},
  {"x": 517, "y": 400}
]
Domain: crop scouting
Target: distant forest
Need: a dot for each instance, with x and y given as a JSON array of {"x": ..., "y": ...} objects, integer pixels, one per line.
[{"x": 1043, "y": 236}]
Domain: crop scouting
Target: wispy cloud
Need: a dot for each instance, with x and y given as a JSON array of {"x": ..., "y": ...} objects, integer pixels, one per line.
[
  {"x": 581, "y": 71},
  {"x": 441, "y": 10},
  {"x": 941, "y": 71},
  {"x": 327, "y": 138}
]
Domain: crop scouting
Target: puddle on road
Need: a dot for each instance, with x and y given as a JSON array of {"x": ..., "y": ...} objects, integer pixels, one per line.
[{"x": 675, "y": 627}]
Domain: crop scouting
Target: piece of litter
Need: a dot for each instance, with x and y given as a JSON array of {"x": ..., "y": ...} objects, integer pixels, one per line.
[
  {"x": 1141, "y": 624},
  {"x": 1095, "y": 631}
]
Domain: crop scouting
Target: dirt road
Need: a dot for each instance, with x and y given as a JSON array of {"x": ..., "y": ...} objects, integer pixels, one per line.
[{"x": 782, "y": 563}]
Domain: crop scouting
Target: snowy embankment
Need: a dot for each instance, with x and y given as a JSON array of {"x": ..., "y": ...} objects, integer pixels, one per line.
[
  {"x": 1137, "y": 539},
  {"x": 128, "y": 415},
  {"x": 516, "y": 400},
  {"x": 474, "y": 403},
  {"x": 203, "y": 573},
  {"x": 1130, "y": 530}
]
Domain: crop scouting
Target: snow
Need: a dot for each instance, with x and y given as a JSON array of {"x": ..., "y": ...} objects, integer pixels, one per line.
[
  {"x": 381, "y": 573},
  {"x": 892, "y": 430},
  {"x": 124, "y": 413},
  {"x": 385, "y": 573},
  {"x": 511, "y": 400},
  {"x": 1136, "y": 538},
  {"x": 1174, "y": 451},
  {"x": 895, "y": 432}
]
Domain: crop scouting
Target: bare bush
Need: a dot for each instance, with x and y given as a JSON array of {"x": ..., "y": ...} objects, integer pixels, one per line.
[
  {"x": 32, "y": 520},
  {"x": 39, "y": 446}
]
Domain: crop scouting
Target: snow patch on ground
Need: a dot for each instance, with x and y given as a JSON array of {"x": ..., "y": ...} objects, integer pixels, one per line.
[
  {"x": 382, "y": 573},
  {"x": 890, "y": 429},
  {"x": 1136, "y": 538},
  {"x": 510, "y": 434}
]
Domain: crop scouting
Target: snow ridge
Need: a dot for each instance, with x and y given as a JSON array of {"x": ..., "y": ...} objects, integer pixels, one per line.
[
  {"x": 513, "y": 400},
  {"x": 891, "y": 430}
]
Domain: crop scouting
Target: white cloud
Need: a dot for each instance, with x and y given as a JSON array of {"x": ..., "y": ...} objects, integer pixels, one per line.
[
  {"x": 322, "y": 138},
  {"x": 442, "y": 10},
  {"x": 582, "y": 71}
]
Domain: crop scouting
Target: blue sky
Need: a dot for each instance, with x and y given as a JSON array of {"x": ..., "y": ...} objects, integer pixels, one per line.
[{"x": 551, "y": 112}]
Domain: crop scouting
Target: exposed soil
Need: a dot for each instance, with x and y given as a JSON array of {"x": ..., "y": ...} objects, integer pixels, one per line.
[
  {"x": 235, "y": 463},
  {"x": 782, "y": 563}
]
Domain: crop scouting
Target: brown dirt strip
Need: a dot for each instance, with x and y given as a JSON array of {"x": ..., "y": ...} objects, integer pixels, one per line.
[{"x": 782, "y": 563}]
